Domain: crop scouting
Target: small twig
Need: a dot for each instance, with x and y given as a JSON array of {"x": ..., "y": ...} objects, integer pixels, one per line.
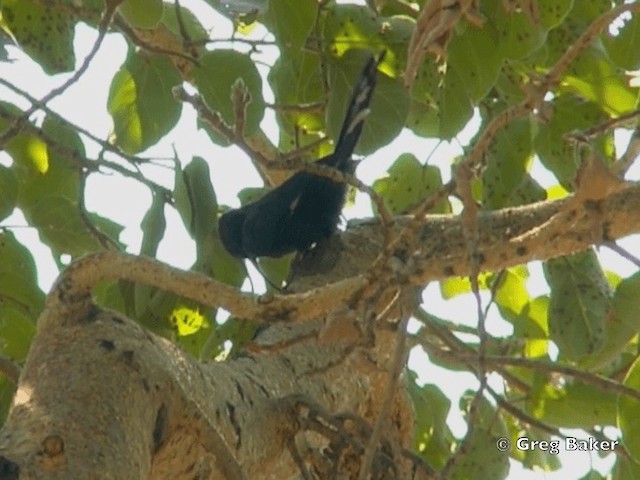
[
  {"x": 622, "y": 165},
  {"x": 138, "y": 41},
  {"x": 291, "y": 160},
  {"x": 587, "y": 377},
  {"x": 523, "y": 416},
  {"x": 472, "y": 422},
  {"x": 397, "y": 364},
  {"x": 241, "y": 98},
  {"x": 106, "y": 146},
  {"x": 79, "y": 160},
  {"x": 186, "y": 39},
  {"x": 298, "y": 108},
  {"x": 217, "y": 123},
  {"x": 252, "y": 43},
  {"x": 623, "y": 253},
  {"x": 104, "y": 240},
  {"x": 605, "y": 126},
  {"x": 591, "y": 32}
]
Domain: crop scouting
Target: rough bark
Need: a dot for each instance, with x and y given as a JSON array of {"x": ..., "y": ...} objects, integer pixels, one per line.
[{"x": 101, "y": 398}]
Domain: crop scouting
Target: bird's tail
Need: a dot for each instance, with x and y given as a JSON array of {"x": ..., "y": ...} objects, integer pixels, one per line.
[{"x": 356, "y": 113}]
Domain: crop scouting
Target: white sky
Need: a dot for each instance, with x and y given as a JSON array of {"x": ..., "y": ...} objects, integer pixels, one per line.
[{"x": 126, "y": 202}]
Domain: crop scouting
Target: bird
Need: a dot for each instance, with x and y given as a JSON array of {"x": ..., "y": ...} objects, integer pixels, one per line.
[{"x": 305, "y": 209}]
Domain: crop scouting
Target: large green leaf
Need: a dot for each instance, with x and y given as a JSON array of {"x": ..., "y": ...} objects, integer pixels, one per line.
[
  {"x": 44, "y": 33},
  {"x": 569, "y": 114},
  {"x": 408, "y": 183},
  {"x": 49, "y": 190},
  {"x": 349, "y": 26},
  {"x": 141, "y": 13},
  {"x": 432, "y": 437},
  {"x": 518, "y": 37},
  {"x": 141, "y": 103},
  {"x": 481, "y": 459},
  {"x": 580, "y": 302},
  {"x": 217, "y": 73},
  {"x": 474, "y": 55},
  {"x": 8, "y": 191},
  {"x": 291, "y": 35},
  {"x": 574, "y": 405},
  {"x": 296, "y": 79},
  {"x": 628, "y": 418},
  {"x": 621, "y": 326},
  {"x": 508, "y": 159},
  {"x": 19, "y": 278},
  {"x": 593, "y": 77},
  {"x": 511, "y": 295},
  {"x": 441, "y": 105},
  {"x": 188, "y": 20},
  {"x": 624, "y": 48}
]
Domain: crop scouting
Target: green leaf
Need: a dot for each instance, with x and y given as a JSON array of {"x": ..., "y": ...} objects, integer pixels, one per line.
[
  {"x": 508, "y": 158},
  {"x": 580, "y": 302},
  {"x": 26, "y": 150},
  {"x": 621, "y": 326},
  {"x": 141, "y": 13},
  {"x": 432, "y": 437},
  {"x": 17, "y": 329},
  {"x": 481, "y": 459},
  {"x": 455, "y": 108},
  {"x": 569, "y": 113},
  {"x": 594, "y": 78},
  {"x": 192, "y": 326},
  {"x": 532, "y": 325},
  {"x": 348, "y": 26},
  {"x": 511, "y": 295},
  {"x": 276, "y": 269},
  {"x": 624, "y": 48},
  {"x": 191, "y": 24},
  {"x": 8, "y": 191},
  {"x": 44, "y": 172},
  {"x": 153, "y": 226},
  {"x": 44, "y": 33},
  {"x": 527, "y": 191},
  {"x": 389, "y": 106},
  {"x": 474, "y": 55},
  {"x": 141, "y": 103},
  {"x": 62, "y": 228},
  {"x": 518, "y": 37},
  {"x": 196, "y": 200},
  {"x": 628, "y": 418},
  {"x": 296, "y": 79},
  {"x": 19, "y": 289},
  {"x": 453, "y": 286},
  {"x": 626, "y": 469},
  {"x": 408, "y": 184},
  {"x": 575, "y": 405},
  {"x": 423, "y": 118},
  {"x": 592, "y": 475},
  {"x": 187, "y": 320},
  {"x": 291, "y": 35},
  {"x": 215, "y": 76},
  {"x": 553, "y": 12}
]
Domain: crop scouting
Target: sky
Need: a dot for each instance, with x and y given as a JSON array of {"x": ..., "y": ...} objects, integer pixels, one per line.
[{"x": 126, "y": 202}]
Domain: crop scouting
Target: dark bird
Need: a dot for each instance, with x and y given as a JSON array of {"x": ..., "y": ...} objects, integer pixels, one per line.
[{"x": 305, "y": 209}]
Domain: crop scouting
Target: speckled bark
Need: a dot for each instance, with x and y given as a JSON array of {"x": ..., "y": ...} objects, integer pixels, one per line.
[{"x": 100, "y": 398}]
